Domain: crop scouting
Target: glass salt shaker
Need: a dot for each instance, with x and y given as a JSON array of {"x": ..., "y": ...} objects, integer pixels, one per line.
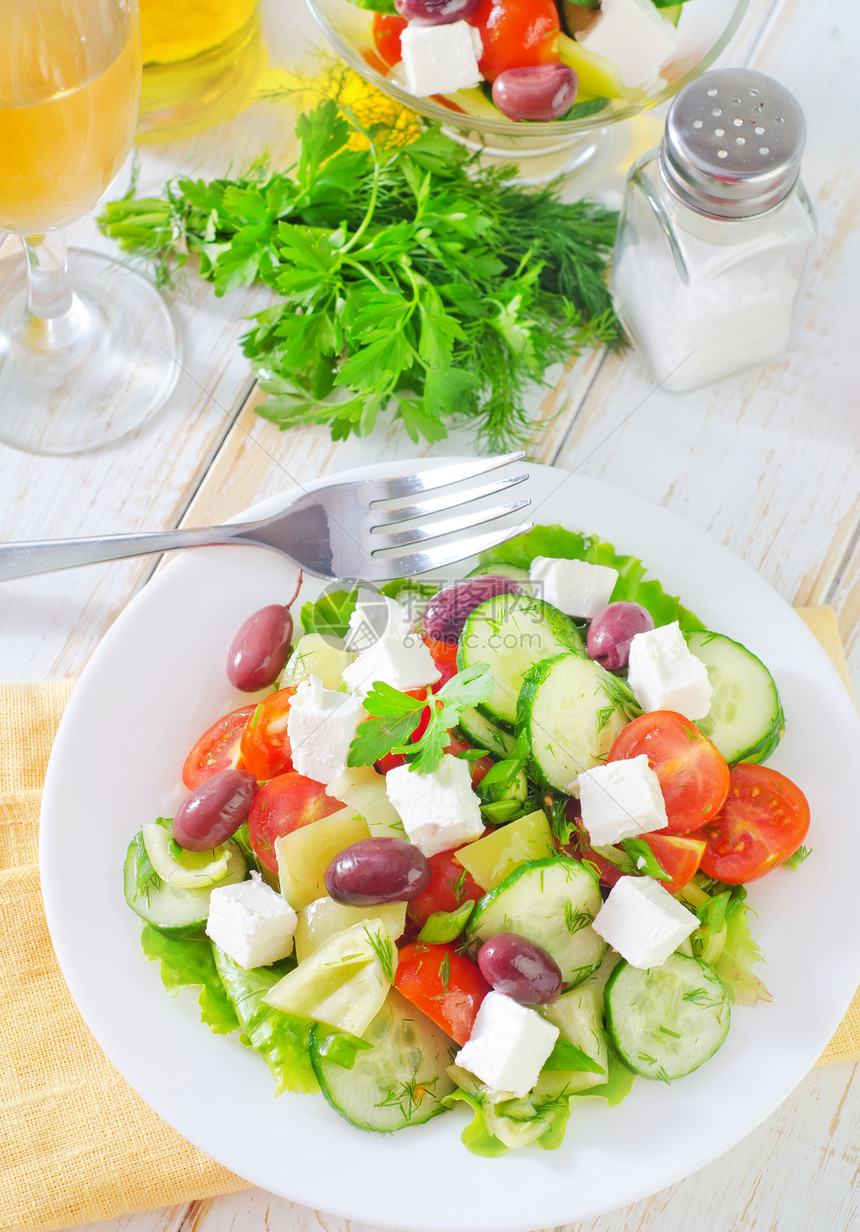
[{"x": 716, "y": 232}]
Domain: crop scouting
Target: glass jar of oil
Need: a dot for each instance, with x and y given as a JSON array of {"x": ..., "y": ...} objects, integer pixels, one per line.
[{"x": 202, "y": 60}]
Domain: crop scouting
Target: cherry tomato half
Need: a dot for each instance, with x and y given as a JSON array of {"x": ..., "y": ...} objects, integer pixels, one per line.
[
  {"x": 217, "y": 749},
  {"x": 450, "y": 886},
  {"x": 386, "y": 37},
  {"x": 283, "y": 804},
  {"x": 763, "y": 821},
  {"x": 515, "y": 34},
  {"x": 694, "y": 776},
  {"x": 445, "y": 985},
  {"x": 265, "y": 744}
]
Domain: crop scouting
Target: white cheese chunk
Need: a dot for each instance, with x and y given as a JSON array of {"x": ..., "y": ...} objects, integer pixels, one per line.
[
  {"x": 508, "y": 1045},
  {"x": 643, "y": 922},
  {"x": 635, "y": 36},
  {"x": 440, "y": 59},
  {"x": 574, "y": 586},
  {"x": 376, "y": 616},
  {"x": 439, "y": 810},
  {"x": 321, "y": 726},
  {"x": 664, "y": 674},
  {"x": 620, "y": 800},
  {"x": 251, "y": 922},
  {"x": 402, "y": 662}
]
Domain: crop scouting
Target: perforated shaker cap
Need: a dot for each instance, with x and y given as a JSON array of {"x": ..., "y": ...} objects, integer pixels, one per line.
[{"x": 733, "y": 143}]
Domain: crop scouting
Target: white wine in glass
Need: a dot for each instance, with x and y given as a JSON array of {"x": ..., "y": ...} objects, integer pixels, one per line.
[{"x": 87, "y": 346}]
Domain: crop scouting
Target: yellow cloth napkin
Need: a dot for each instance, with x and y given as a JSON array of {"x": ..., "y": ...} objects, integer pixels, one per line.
[{"x": 76, "y": 1143}]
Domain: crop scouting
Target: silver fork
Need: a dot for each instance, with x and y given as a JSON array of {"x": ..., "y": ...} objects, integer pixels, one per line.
[{"x": 331, "y": 531}]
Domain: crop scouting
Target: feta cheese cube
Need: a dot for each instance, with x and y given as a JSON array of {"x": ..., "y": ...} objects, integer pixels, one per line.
[
  {"x": 404, "y": 663},
  {"x": 574, "y": 586},
  {"x": 620, "y": 800},
  {"x": 635, "y": 36},
  {"x": 321, "y": 726},
  {"x": 439, "y": 810},
  {"x": 643, "y": 922},
  {"x": 376, "y": 616},
  {"x": 664, "y": 674},
  {"x": 251, "y": 923},
  {"x": 440, "y": 59},
  {"x": 508, "y": 1045}
]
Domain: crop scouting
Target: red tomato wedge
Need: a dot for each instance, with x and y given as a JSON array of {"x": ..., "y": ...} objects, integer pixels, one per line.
[
  {"x": 217, "y": 749},
  {"x": 283, "y": 804},
  {"x": 387, "y": 30},
  {"x": 444, "y": 985},
  {"x": 515, "y": 34},
  {"x": 693, "y": 774},
  {"x": 444, "y": 655},
  {"x": 763, "y": 821},
  {"x": 265, "y": 744},
  {"x": 450, "y": 886},
  {"x": 679, "y": 855}
]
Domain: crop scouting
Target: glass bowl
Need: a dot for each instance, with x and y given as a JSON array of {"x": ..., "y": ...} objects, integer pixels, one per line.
[{"x": 542, "y": 149}]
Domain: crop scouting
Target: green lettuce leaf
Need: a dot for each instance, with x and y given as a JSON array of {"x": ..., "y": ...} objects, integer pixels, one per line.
[
  {"x": 281, "y": 1039},
  {"x": 632, "y": 584},
  {"x": 500, "y": 1125},
  {"x": 187, "y": 962},
  {"x": 740, "y": 951}
]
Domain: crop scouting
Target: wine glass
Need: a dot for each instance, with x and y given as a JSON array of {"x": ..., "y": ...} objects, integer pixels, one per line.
[{"x": 87, "y": 346}]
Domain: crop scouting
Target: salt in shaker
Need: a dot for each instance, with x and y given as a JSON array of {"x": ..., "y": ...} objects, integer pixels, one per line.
[{"x": 716, "y": 232}]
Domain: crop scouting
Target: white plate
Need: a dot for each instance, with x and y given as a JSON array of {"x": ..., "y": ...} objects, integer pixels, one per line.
[{"x": 157, "y": 681}]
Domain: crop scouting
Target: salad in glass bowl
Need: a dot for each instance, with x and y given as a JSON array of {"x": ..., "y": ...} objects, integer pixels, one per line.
[
  {"x": 529, "y": 79},
  {"x": 482, "y": 843}
]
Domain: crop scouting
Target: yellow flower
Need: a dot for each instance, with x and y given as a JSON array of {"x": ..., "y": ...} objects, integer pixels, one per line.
[{"x": 336, "y": 80}]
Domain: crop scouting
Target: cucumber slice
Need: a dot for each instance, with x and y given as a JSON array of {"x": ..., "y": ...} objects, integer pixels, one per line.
[
  {"x": 746, "y": 720},
  {"x": 503, "y": 570},
  {"x": 399, "y": 1081},
  {"x": 512, "y": 633},
  {"x": 666, "y": 1021},
  {"x": 187, "y": 870},
  {"x": 483, "y": 734},
  {"x": 551, "y": 902},
  {"x": 570, "y": 710},
  {"x": 178, "y": 912}
]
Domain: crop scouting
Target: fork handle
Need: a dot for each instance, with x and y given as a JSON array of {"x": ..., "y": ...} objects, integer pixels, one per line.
[{"x": 46, "y": 555}]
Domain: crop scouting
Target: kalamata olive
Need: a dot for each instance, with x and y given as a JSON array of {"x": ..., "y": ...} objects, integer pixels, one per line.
[
  {"x": 449, "y": 609},
  {"x": 215, "y": 810},
  {"x": 535, "y": 92},
  {"x": 260, "y": 648},
  {"x": 519, "y": 968},
  {"x": 435, "y": 12},
  {"x": 612, "y": 630},
  {"x": 377, "y": 870}
]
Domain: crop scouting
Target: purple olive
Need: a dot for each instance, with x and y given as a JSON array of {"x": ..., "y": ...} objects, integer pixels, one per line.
[
  {"x": 215, "y": 810},
  {"x": 435, "y": 12},
  {"x": 449, "y": 609},
  {"x": 377, "y": 870},
  {"x": 260, "y": 649},
  {"x": 535, "y": 92},
  {"x": 520, "y": 969},
  {"x": 612, "y": 630}
]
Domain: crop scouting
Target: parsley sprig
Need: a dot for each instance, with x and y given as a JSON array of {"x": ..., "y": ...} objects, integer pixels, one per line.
[
  {"x": 396, "y": 716},
  {"x": 408, "y": 281}
]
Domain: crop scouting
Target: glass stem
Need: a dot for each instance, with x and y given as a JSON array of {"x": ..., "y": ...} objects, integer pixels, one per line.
[{"x": 55, "y": 317}]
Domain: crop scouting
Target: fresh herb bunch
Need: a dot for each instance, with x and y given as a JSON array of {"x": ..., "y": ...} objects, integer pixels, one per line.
[{"x": 408, "y": 279}]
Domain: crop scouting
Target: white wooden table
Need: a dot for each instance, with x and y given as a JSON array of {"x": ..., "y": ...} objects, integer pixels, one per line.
[{"x": 767, "y": 462}]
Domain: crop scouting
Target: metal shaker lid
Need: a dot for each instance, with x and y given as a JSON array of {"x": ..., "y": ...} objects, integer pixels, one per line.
[{"x": 733, "y": 143}]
